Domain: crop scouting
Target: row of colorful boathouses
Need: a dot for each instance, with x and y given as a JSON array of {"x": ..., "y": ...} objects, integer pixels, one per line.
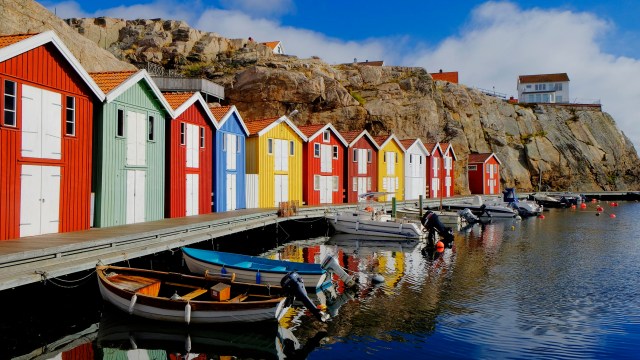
[{"x": 81, "y": 149}]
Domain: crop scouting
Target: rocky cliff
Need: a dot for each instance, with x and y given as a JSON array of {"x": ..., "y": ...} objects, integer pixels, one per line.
[
  {"x": 27, "y": 16},
  {"x": 552, "y": 147}
]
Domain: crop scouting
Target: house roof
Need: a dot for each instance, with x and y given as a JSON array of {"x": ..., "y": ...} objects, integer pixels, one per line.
[
  {"x": 14, "y": 45},
  {"x": 223, "y": 113},
  {"x": 261, "y": 126},
  {"x": 6, "y": 40},
  {"x": 431, "y": 147},
  {"x": 312, "y": 131},
  {"x": 450, "y": 76},
  {"x": 351, "y": 137},
  {"x": 181, "y": 101},
  {"x": 407, "y": 143},
  {"x": 114, "y": 83},
  {"x": 540, "y": 78},
  {"x": 382, "y": 140},
  {"x": 445, "y": 148},
  {"x": 271, "y": 44},
  {"x": 109, "y": 80},
  {"x": 482, "y": 158}
]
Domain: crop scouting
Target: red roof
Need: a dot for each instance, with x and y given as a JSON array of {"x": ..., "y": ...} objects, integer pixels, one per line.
[
  {"x": 407, "y": 142},
  {"x": 349, "y": 136},
  {"x": 175, "y": 99},
  {"x": 272, "y": 44},
  {"x": 110, "y": 80},
  {"x": 479, "y": 158},
  {"x": 309, "y": 130},
  {"x": 524, "y": 79},
  {"x": 380, "y": 139},
  {"x": 255, "y": 126},
  {"x": 7, "y": 40},
  {"x": 451, "y": 76},
  {"x": 219, "y": 111}
]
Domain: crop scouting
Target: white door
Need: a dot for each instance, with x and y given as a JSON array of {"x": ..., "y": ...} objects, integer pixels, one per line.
[
  {"x": 281, "y": 154},
  {"x": 362, "y": 185},
  {"x": 136, "y": 138},
  {"x": 252, "y": 191},
  {"x": 362, "y": 161},
  {"x": 326, "y": 189},
  {"x": 231, "y": 151},
  {"x": 231, "y": 192},
  {"x": 326, "y": 155},
  {"x": 435, "y": 187},
  {"x": 192, "y": 191},
  {"x": 39, "y": 200},
  {"x": 281, "y": 189},
  {"x": 193, "y": 145},
  {"x": 447, "y": 186},
  {"x": 136, "y": 185},
  {"x": 41, "y": 123},
  {"x": 390, "y": 157}
]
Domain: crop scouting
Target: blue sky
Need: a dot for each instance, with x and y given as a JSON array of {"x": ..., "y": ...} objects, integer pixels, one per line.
[{"x": 489, "y": 43}]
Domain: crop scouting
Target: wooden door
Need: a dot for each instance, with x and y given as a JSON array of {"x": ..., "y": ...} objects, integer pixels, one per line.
[
  {"x": 136, "y": 187},
  {"x": 192, "y": 191},
  {"x": 136, "y": 138},
  {"x": 231, "y": 149},
  {"x": 39, "y": 200},
  {"x": 362, "y": 185},
  {"x": 193, "y": 146},
  {"x": 281, "y": 191},
  {"x": 231, "y": 192},
  {"x": 41, "y": 123},
  {"x": 362, "y": 161},
  {"x": 326, "y": 156}
]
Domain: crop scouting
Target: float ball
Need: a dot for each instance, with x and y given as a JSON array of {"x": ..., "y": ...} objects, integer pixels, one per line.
[
  {"x": 440, "y": 246},
  {"x": 573, "y": 207},
  {"x": 612, "y": 215},
  {"x": 599, "y": 209},
  {"x": 583, "y": 206},
  {"x": 540, "y": 216}
]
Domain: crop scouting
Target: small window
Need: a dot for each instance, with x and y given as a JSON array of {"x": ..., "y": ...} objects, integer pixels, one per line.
[
  {"x": 395, "y": 154},
  {"x": 316, "y": 150},
  {"x": 70, "y": 116},
  {"x": 326, "y": 136},
  {"x": 238, "y": 145},
  {"x": 269, "y": 146},
  {"x": 472, "y": 167},
  {"x": 385, "y": 156},
  {"x": 335, "y": 183},
  {"x": 316, "y": 182},
  {"x": 183, "y": 133},
  {"x": 9, "y": 103},
  {"x": 152, "y": 124},
  {"x": 355, "y": 184},
  {"x": 291, "y": 148},
  {"x": 120, "y": 125},
  {"x": 201, "y": 137},
  {"x": 420, "y": 157},
  {"x": 355, "y": 155},
  {"x": 369, "y": 155},
  {"x": 410, "y": 158},
  {"x": 335, "y": 152}
]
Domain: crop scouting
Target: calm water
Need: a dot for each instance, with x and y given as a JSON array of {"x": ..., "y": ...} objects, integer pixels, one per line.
[{"x": 567, "y": 286}]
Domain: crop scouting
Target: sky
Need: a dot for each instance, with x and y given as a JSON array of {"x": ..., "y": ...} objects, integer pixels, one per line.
[{"x": 489, "y": 43}]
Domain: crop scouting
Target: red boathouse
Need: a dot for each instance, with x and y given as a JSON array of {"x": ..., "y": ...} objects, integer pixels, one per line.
[
  {"x": 484, "y": 174},
  {"x": 190, "y": 156},
  {"x": 361, "y": 164},
  {"x": 45, "y": 137}
]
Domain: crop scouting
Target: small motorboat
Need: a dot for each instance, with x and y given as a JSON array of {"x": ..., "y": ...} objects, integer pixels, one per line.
[
  {"x": 180, "y": 298},
  {"x": 452, "y": 218},
  {"x": 373, "y": 222},
  {"x": 252, "y": 269},
  {"x": 525, "y": 208},
  {"x": 482, "y": 209}
]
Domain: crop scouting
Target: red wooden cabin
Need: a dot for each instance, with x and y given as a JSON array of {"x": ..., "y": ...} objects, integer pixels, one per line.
[
  {"x": 435, "y": 182},
  {"x": 361, "y": 164},
  {"x": 322, "y": 165},
  {"x": 484, "y": 174},
  {"x": 46, "y": 126},
  {"x": 448, "y": 169},
  {"x": 190, "y": 156}
]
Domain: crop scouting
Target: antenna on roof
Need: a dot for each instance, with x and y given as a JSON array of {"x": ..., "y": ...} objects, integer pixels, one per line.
[{"x": 293, "y": 113}]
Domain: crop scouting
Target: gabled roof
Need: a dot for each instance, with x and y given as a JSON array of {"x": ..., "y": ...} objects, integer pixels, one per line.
[
  {"x": 540, "y": 78},
  {"x": 14, "y": 45},
  {"x": 382, "y": 140},
  {"x": 272, "y": 44},
  {"x": 180, "y": 102},
  {"x": 482, "y": 158},
  {"x": 407, "y": 143},
  {"x": 223, "y": 113},
  {"x": 312, "y": 131},
  {"x": 433, "y": 147},
  {"x": 260, "y": 126},
  {"x": 115, "y": 83},
  {"x": 446, "y": 147},
  {"x": 351, "y": 137}
]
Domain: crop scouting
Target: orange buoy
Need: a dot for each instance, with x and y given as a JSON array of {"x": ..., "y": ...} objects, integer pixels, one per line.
[
  {"x": 612, "y": 215},
  {"x": 614, "y": 204},
  {"x": 599, "y": 209},
  {"x": 540, "y": 216},
  {"x": 583, "y": 206},
  {"x": 573, "y": 207},
  {"x": 440, "y": 246}
]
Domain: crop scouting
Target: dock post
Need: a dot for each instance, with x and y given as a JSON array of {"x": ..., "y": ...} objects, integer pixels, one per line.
[
  {"x": 393, "y": 207},
  {"x": 420, "y": 206}
]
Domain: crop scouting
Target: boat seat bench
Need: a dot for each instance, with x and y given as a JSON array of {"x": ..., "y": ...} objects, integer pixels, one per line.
[{"x": 195, "y": 293}]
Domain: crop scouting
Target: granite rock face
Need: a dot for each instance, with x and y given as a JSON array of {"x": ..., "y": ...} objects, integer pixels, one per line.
[{"x": 542, "y": 147}]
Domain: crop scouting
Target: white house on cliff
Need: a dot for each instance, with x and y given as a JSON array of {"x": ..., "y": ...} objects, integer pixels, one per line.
[{"x": 543, "y": 88}]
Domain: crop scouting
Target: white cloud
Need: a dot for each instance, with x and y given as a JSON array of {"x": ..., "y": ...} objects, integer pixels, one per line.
[
  {"x": 502, "y": 41},
  {"x": 66, "y": 9},
  {"x": 163, "y": 9},
  {"x": 261, "y": 7}
]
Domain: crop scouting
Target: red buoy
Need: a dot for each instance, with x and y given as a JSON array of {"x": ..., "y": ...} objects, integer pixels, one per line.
[
  {"x": 599, "y": 209},
  {"x": 583, "y": 206},
  {"x": 614, "y": 204},
  {"x": 573, "y": 207},
  {"x": 439, "y": 246},
  {"x": 612, "y": 215},
  {"x": 540, "y": 216}
]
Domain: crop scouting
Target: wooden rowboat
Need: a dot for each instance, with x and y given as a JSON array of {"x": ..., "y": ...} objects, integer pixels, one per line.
[
  {"x": 188, "y": 299},
  {"x": 252, "y": 269}
]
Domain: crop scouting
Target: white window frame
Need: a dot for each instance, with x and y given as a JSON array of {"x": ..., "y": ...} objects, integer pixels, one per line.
[
  {"x": 292, "y": 148},
  {"x": 326, "y": 136},
  {"x": 270, "y": 146},
  {"x": 183, "y": 133},
  {"x": 335, "y": 183},
  {"x": 316, "y": 182},
  {"x": 202, "y": 138},
  {"x": 369, "y": 156},
  {"x": 355, "y": 155}
]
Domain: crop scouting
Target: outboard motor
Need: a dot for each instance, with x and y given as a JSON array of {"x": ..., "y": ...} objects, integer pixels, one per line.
[
  {"x": 433, "y": 225},
  {"x": 331, "y": 264},
  {"x": 468, "y": 216},
  {"x": 293, "y": 285}
]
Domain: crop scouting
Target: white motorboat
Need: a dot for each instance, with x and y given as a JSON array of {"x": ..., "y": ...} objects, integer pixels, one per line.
[
  {"x": 478, "y": 207},
  {"x": 373, "y": 222},
  {"x": 525, "y": 207},
  {"x": 446, "y": 217}
]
